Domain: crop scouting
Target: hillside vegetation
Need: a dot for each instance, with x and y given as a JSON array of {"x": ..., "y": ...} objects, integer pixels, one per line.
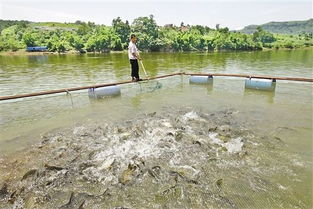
[
  {"x": 290, "y": 27},
  {"x": 89, "y": 37}
]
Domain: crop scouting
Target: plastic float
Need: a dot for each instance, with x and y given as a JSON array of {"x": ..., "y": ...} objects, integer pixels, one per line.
[
  {"x": 260, "y": 84},
  {"x": 200, "y": 79},
  {"x": 107, "y": 91}
]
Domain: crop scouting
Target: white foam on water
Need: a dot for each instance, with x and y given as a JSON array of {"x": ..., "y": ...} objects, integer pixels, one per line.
[
  {"x": 215, "y": 140},
  {"x": 190, "y": 116},
  {"x": 282, "y": 187},
  {"x": 298, "y": 163},
  {"x": 147, "y": 140},
  {"x": 167, "y": 124},
  {"x": 143, "y": 147},
  {"x": 129, "y": 149},
  {"x": 233, "y": 146},
  {"x": 107, "y": 163},
  {"x": 79, "y": 130},
  {"x": 188, "y": 167},
  {"x": 122, "y": 152}
]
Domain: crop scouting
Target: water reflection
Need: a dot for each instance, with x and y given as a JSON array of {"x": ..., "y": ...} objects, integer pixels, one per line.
[
  {"x": 26, "y": 74},
  {"x": 38, "y": 59},
  {"x": 63, "y": 71},
  {"x": 136, "y": 101},
  {"x": 259, "y": 96},
  {"x": 204, "y": 86}
]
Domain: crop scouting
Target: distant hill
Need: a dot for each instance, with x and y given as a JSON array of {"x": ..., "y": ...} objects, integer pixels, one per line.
[
  {"x": 7, "y": 23},
  {"x": 39, "y": 25},
  {"x": 289, "y": 27}
]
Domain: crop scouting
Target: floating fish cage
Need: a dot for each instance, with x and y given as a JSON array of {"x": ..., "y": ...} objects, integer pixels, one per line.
[
  {"x": 150, "y": 86},
  {"x": 264, "y": 83}
]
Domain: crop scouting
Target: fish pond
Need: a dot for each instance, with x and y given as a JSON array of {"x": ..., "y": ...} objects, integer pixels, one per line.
[{"x": 161, "y": 144}]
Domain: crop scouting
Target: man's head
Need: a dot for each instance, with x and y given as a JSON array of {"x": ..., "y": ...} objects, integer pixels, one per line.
[{"x": 133, "y": 38}]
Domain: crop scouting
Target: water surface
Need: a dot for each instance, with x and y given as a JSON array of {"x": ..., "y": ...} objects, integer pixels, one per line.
[{"x": 278, "y": 124}]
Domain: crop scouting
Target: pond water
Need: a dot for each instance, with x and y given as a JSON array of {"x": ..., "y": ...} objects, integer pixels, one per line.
[{"x": 189, "y": 146}]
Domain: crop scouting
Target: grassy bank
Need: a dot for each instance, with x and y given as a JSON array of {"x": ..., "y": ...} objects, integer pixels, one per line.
[{"x": 23, "y": 52}]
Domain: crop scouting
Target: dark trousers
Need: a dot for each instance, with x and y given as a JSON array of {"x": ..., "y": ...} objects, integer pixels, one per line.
[{"x": 135, "y": 68}]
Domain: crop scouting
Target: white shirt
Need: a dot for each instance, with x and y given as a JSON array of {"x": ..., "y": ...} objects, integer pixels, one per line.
[{"x": 132, "y": 48}]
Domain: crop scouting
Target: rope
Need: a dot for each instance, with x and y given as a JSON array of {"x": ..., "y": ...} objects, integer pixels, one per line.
[{"x": 69, "y": 94}]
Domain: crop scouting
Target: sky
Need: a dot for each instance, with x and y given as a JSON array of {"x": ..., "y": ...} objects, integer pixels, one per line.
[{"x": 234, "y": 14}]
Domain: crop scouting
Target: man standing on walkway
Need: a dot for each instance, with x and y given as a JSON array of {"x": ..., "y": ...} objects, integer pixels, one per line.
[{"x": 133, "y": 58}]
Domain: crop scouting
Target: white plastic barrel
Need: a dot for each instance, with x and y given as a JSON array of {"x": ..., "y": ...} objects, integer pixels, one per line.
[
  {"x": 107, "y": 91},
  {"x": 260, "y": 84},
  {"x": 200, "y": 79}
]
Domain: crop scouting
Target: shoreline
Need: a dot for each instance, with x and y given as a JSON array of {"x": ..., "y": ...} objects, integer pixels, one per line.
[{"x": 24, "y": 52}]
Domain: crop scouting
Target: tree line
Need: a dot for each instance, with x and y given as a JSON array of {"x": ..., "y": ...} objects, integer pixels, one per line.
[{"x": 89, "y": 37}]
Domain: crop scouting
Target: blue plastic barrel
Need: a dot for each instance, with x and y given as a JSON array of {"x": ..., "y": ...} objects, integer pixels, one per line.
[
  {"x": 260, "y": 84},
  {"x": 36, "y": 48},
  {"x": 200, "y": 79},
  {"x": 97, "y": 93}
]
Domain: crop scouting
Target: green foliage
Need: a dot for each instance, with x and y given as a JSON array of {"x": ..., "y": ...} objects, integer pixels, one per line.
[
  {"x": 145, "y": 25},
  {"x": 81, "y": 36},
  {"x": 263, "y": 36},
  {"x": 116, "y": 43},
  {"x": 76, "y": 42},
  {"x": 103, "y": 40},
  {"x": 146, "y": 30},
  {"x": 7, "y": 23},
  {"x": 83, "y": 29},
  {"x": 122, "y": 29},
  {"x": 29, "y": 39},
  {"x": 10, "y": 39},
  {"x": 285, "y": 41}
]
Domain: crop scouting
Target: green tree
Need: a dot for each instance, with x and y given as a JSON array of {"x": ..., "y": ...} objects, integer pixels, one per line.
[
  {"x": 116, "y": 43},
  {"x": 122, "y": 29},
  {"x": 146, "y": 30},
  {"x": 223, "y": 30},
  {"x": 263, "y": 36},
  {"x": 61, "y": 46},
  {"x": 100, "y": 41},
  {"x": 76, "y": 42},
  {"x": 83, "y": 29},
  {"x": 29, "y": 39}
]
